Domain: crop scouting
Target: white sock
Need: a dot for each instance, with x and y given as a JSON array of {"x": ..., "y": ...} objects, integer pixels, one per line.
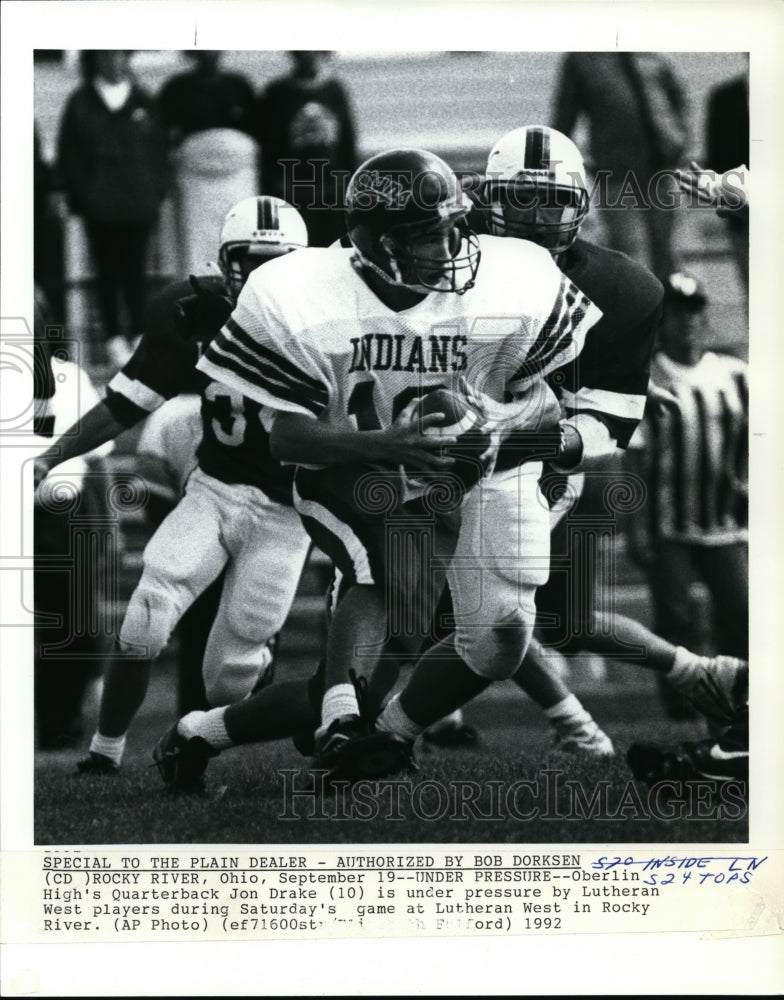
[
  {"x": 112, "y": 747},
  {"x": 569, "y": 710},
  {"x": 681, "y": 673},
  {"x": 209, "y": 725},
  {"x": 338, "y": 701},
  {"x": 394, "y": 720}
]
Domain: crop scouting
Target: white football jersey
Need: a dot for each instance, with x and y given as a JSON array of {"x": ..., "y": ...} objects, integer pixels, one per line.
[{"x": 309, "y": 336}]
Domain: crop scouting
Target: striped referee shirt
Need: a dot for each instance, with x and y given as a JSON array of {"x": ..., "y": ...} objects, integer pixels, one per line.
[{"x": 697, "y": 451}]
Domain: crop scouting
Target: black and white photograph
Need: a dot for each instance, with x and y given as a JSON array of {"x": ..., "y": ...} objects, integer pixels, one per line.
[{"x": 382, "y": 456}]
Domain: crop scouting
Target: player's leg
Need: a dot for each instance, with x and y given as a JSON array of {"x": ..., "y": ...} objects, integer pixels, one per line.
[
  {"x": 391, "y": 560},
  {"x": 725, "y": 570},
  {"x": 275, "y": 712},
  {"x": 268, "y": 548},
  {"x": 564, "y": 610},
  {"x": 453, "y": 730},
  {"x": 501, "y": 557},
  {"x": 688, "y": 679},
  {"x": 193, "y": 633},
  {"x": 174, "y": 575},
  {"x": 341, "y": 514}
]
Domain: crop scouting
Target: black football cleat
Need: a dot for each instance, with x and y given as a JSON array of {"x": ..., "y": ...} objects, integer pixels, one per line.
[
  {"x": 348, "y": 751},
  {"x": 182, "y": 762},
  {"x": 97, "y": 763},
  {"x": 727, "y": 758},
  {"x": 352, "y": 749},
  {"x": 723, "y": 759}
]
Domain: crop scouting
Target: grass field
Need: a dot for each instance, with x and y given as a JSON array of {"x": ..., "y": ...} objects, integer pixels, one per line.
[{"x": 246, "y": 801}]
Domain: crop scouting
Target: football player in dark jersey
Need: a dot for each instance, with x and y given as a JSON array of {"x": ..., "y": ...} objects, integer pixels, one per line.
[
  {"x": 236, "y": 514},
  {"x": 535, "y": 189}
]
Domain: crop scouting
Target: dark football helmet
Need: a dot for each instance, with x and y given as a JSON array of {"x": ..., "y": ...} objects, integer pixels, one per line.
[
  {"x": 254, "y": 231},
  {"x": 406, "y": 215},
  {"x": 535, "y": 188}
]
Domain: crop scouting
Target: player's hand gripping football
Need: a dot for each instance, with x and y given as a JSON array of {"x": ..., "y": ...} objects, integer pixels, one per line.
[{"x": 406, "y": 443}]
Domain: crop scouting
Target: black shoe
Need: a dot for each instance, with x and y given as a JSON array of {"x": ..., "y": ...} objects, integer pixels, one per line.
[
  {"x": 451, "y": 733},
  {"x": 653, "y": 763},
  {"x": 181, "y": 762},
  {"x": 97, "y": 763},
  {"x": 725, "y": 759},
  {"x": 349, "y": 752}
]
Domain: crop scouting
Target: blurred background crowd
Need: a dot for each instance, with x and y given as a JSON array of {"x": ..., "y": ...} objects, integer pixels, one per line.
[{"x": 138, "y": 156}]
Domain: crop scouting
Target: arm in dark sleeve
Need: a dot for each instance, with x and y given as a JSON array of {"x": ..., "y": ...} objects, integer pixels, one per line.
[
  {"x": 162, "y": 366},
  {"x": 609, "y": 380},
  {"x": 567, "y": 102},
  {"x": 72, "y": 157},
  {"x": 347, "y": 159}
]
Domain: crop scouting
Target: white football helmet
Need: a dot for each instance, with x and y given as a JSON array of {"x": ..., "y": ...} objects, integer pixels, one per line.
[
  {"x": 535, "y": 188},
  {"x": 254, "y": 231}
]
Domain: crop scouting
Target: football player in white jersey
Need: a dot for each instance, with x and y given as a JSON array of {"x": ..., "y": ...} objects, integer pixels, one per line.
[
  {"x": 341, "y": 344},
  {"x": 237, "y": 511}
]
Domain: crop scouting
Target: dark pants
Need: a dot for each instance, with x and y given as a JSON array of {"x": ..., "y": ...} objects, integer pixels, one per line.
[
  {"x": 119, "y": 252},
  {"x": 725, "y": 571},
  {"x": 68, "y": 640}
]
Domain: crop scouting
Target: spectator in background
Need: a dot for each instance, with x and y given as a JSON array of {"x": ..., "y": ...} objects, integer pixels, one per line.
[
  {"x": 635, "y": 108},
  {"x": 308, "y": 144},
  {"x": 69, "y": 519},
  {"x": 205, "y": 97},
  {"x": 47, "y": 234},
  {"x": 113, "y": 163},
  {"x": 727, "y": 147},
  {"x": 692, "y": 453}
]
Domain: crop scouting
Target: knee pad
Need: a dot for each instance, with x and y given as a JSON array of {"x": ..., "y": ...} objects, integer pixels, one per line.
[
  {"x": 148, "y": 623},
  {"x": 496, "y": 651}
]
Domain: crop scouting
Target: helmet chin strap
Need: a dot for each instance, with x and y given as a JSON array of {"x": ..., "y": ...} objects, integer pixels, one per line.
[{"x": 396, "y": 281}]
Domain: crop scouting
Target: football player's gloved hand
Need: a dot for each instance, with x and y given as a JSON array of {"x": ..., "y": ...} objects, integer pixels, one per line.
[
  {"x": 724, "y": 192},
  {"x": 531, "y": 430}
]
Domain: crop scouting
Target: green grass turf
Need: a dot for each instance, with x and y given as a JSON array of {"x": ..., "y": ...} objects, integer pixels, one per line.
[{"x": 245, "y": 801}]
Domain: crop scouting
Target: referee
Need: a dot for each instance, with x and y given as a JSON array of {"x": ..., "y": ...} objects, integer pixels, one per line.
[{"x": 693, "y": 455}]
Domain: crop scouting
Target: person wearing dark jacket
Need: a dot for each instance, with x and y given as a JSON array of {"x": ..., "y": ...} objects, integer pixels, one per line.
[
  {"x": 113, "y": 164},
  {"x": 308, "y": 143},
  {"x": 205, "y": 97}
]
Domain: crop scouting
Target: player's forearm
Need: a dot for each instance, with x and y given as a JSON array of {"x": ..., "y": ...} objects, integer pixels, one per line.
[
  {"x": 95, "y": 428},
  {"x": 303, "y": 441}
]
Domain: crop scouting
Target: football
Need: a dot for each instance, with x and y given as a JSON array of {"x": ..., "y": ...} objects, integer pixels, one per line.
[{"x": 463, "y": 421}]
